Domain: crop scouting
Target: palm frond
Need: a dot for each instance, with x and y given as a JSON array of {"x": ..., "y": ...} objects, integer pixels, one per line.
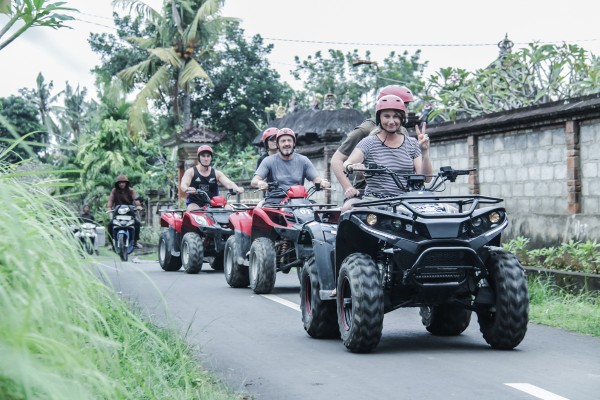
[
  {"x": 141, "y": 8},
  {"x": 167, "y": 55},
  {"x": 144, "y": 43},
  {"x": 191, "y": 71},
  {"x": 128, "y": 74}
]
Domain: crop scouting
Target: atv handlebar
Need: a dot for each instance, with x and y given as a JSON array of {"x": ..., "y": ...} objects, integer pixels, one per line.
[{"x": 414, "y": 182}]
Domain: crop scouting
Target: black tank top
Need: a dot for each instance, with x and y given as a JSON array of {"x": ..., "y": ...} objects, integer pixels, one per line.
[{"x": 206, "y": 183}]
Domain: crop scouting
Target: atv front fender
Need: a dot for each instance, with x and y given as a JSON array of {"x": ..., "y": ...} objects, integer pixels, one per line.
[{"x": 324, "y": 258}]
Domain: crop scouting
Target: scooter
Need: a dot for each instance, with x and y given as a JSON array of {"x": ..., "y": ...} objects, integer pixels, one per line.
[
  {"x": 86, "y": 233},
  {"x": 123, "y": 230}
]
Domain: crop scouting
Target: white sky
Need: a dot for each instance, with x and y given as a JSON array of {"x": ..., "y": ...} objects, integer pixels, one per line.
[{"x": 64, "y": 54}]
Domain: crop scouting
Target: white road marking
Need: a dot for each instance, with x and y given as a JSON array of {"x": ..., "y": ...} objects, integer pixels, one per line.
[
  {"x": 284, "y": 302},
  {"x": 535, "y": 391}
]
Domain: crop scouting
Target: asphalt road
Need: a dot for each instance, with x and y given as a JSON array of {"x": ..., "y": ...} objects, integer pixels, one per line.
[{"x": 256, "y": 345}]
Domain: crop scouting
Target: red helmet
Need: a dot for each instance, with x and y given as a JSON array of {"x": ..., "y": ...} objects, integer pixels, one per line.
[
  {"x": 204, "y": 148},
  {"x": 401, "y": 91},
  {"x": 268, "y": 134},
  {"x": 390, "y": 102},
  {"x": 284, "y": 132}
]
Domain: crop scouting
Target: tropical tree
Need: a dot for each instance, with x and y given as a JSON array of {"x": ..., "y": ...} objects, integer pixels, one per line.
[
  {"x": 33, "y": 13},
  {"x": 116, "y": 54},
  {"x": 357, "y": 77},
  {"x": 533, "y": 75},
  {"x": 184, "y": 39},
  {"x": 44, "y": 100},
  {"x": 20, "y": 118},
  {"x": 244, "y": 85}
]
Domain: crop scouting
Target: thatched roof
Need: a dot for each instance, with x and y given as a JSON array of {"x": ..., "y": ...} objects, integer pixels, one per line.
[{"x": 318, "y": 126}]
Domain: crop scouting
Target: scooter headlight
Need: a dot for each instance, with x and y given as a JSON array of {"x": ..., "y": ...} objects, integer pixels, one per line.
[{"x": 123, "y": 210}]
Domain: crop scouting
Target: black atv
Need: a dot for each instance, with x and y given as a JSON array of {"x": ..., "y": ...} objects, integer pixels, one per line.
[{"x": 420, "y": 249}]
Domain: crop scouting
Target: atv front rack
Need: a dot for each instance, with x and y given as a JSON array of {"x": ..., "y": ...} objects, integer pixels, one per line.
[{"x": 409, "y": 200}]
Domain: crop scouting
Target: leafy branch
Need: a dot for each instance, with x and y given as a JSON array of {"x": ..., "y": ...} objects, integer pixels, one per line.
[{"x": 34, "y": 13}]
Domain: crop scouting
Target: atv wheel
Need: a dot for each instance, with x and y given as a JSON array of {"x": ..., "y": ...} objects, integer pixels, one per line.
[
  {"x": 445, "y": 319},
  {"x": 167, "y": 261},
  {"x": 318, "y": 316},
  {"x": 262, "y": 265},
  {"x": 122, "y": 248},
  {"x": 192, "y": 253},
  {"x": 217, "y": 262},
  {"x": 360, "y": 303},
  {"x": 236, "y": 275},
  {"x": 504, "y": 323}
]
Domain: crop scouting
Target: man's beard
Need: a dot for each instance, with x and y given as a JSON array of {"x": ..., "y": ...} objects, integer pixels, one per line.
[{"x": 287, "y": 151}]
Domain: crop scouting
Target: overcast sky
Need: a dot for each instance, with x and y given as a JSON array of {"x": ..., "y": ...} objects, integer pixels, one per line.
[{"x": 463, "y": 33}]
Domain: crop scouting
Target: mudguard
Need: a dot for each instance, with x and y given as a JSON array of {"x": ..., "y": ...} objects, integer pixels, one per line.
[
  {"x": 242, "y": 221},
  {"x": 324, "y": 257},
  {"x": 171, "y": 219}
]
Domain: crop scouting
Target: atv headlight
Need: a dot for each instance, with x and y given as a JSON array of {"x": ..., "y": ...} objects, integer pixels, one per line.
[
  {"x": 494, "y": 217},
  {"x": 200, "y": 220},
  {"x": 371, "y": 219}
]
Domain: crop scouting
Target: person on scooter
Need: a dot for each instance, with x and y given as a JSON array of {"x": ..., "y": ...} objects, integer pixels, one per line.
[
  {"x": 268, "y": 140},
  {"x": 206, "y": 178},
  {"x": 86, "y": 216},
  {"x": 388, "y": 146},
  {"x": 362, "y": 131},
  {"x": 123, "y": 194},
  {"x": 287, "y": 168}
]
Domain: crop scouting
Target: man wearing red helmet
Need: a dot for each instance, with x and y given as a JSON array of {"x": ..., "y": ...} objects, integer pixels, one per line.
[
  {"x": 204, "y": 177},
  {"x": 268, "y": 140},
  {"x": 362, "y": 131},
  {"x": 286, "y": 167}
]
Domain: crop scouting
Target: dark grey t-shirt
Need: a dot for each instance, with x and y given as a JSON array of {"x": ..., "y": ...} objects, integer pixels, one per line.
[{"x": 287, "y": 172}]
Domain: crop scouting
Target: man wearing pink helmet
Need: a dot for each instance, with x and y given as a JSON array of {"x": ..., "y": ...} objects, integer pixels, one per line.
[
  {"x": 387, "y": 146},
  {"x": 206, "y": 178},
  {"x": 362, "y": 131},
  {"x": 286, "y": 167}
]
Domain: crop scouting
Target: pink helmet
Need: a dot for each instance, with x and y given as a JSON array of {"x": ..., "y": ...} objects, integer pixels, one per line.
[
  {"x": 401, "y": 91},
  {"x": 288, "y": 132},
  {"x": 268, "y": 134},
  {"x": 204, "y": 148},
  {"x": 390, "y": 102}
]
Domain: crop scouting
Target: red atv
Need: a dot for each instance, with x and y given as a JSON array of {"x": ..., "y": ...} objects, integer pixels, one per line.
[
  {"x": 193, "y": 236},
  {"x": 270, "y": 239}
]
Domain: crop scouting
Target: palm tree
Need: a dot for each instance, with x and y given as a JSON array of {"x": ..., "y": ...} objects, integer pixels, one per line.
[{"x": 185, "y": 37}]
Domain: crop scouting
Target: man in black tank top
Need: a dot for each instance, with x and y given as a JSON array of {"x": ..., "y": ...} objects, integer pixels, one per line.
[{"x": 204, "y": 178}]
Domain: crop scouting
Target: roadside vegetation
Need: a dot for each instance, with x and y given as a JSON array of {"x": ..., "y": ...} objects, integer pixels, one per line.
[
  {"x": 572, "y": 256},
  {"x": 552, "y": 305},
  {"x": 64, "y": 334}
]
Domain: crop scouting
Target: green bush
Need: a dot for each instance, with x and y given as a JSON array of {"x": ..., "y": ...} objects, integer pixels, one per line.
[{"x": 571, "y": 256}]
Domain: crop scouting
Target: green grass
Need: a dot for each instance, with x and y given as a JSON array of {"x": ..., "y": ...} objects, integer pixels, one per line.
[
  {"x": 65, "y": 335},
  {"x": 553, "y": 306}
]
